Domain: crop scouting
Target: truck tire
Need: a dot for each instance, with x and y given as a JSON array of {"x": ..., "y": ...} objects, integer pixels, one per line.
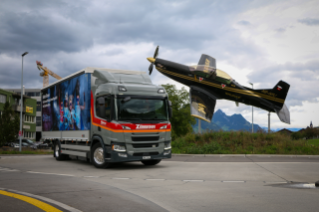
[
  {"x": 98, "y": 157},
  {"x": 150, "y": 162},
  {"x": 57, "y": 152}
]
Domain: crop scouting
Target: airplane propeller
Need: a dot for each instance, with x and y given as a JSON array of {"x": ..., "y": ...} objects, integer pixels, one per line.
[{"x": 152, "y": 60}]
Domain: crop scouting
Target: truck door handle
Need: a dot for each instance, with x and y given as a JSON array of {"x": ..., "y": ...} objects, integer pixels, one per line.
[{"x": 99, "y": 128}]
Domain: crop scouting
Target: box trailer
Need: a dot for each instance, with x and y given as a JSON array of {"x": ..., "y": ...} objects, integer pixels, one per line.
[{"x": 107, "y": 116}]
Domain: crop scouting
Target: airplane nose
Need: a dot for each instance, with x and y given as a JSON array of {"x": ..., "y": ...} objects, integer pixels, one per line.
[{"x": 151, "y": 59}]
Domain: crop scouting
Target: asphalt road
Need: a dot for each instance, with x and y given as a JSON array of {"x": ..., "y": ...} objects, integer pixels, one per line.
[{"x": 184, "y": 183}]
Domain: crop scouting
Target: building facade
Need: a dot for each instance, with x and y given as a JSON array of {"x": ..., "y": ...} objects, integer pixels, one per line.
[
  {"x": 34, "y": 94},
  {"x": 28, "y": 111}
]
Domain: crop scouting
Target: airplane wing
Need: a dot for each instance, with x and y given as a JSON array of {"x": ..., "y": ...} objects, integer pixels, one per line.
[
  {"x": 202, "y": 103},
  {"x": 207, "y": 60}
]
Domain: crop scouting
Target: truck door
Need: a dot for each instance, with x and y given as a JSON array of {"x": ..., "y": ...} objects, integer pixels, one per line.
[{"x": 103, "y": 108}]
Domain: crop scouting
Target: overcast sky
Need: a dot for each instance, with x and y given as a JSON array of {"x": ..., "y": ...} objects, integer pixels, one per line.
[{"x": 253, "y": 41}]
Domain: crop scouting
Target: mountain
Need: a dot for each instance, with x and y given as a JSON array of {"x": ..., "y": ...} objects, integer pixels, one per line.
[
  {"x": 223, "y": 122},
  {"x": 277, "y": 129}
]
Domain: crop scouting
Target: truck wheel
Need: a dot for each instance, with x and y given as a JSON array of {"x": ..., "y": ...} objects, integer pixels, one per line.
[
  {"x": 98, "y": 157},
  {"x": 150, "y": 162},
  {"x": 57, "y": 152}
]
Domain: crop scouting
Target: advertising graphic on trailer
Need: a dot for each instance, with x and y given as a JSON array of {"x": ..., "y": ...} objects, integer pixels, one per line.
[{"x": 66, "y": 106}]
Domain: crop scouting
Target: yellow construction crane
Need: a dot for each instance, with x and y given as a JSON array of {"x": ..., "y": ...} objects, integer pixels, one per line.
[{"x": 45, "y": 74}]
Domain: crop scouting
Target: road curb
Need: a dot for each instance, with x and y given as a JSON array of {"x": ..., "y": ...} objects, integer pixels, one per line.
[{"x": 246, "y": 155}]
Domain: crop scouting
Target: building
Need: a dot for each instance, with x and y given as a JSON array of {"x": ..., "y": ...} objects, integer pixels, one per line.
[
  {"x": 34, "y": 94},
  {"x": 285, "y": 131},
  {"x": 28, "y": 111}
]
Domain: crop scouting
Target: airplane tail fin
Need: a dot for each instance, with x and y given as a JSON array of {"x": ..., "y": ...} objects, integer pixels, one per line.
[
  {"x": 278, "y": 94},
  {"x": 281, "y": 89}
]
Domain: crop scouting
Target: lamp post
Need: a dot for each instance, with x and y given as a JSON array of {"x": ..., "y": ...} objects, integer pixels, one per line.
[
  {"x": 252, "y": 112},
  {"x": 21, "y": 107}
]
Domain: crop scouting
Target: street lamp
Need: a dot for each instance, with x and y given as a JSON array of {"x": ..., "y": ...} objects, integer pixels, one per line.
[
  {"x": 21, "y": 107},
  {"x": 252, "y": 112}
]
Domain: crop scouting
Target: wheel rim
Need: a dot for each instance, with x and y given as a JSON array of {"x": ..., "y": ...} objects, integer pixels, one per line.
[
  {"x": 99, "y": 156},
  {"x": 57, "y": 150}
]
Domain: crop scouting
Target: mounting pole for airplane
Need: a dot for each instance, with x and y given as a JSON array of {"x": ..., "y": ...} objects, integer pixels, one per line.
[
  {"x": 269, "y": 122},
  {"x": 252, "y": 112},
  {"x": 199, "y": 127}
]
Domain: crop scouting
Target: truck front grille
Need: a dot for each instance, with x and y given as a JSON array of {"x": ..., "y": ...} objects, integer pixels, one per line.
[
  {"x": 145, "y": 153},
  {"x": 144, "y": 145},
  {"x": 146, "y": 138}
]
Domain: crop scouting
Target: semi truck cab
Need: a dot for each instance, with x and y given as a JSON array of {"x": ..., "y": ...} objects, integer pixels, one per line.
[{"x": 131, "y": 116}]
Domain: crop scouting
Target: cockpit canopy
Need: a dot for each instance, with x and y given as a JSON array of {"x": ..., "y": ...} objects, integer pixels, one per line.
[{"x": 211, "y": 73}]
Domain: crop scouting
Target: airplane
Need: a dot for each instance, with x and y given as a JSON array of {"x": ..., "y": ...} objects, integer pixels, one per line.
[{"x": 208, "y": 84}]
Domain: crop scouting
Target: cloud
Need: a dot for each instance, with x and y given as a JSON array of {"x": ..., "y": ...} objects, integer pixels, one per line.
[
  {"x": 309, "y": 21},
  {"x": 243, "y": 22},
  {"x": 69, "y": 36},
  {"x": 302, "y": 77},
  {"x": 280, "y": 30}
]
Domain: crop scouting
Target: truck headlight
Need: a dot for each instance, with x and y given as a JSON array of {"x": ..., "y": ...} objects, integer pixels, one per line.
[
  {"x": 163, "y": 127},
  {"x": 118, "y": 148},
  {"x": 125, "y": 127},
  {"x": 167, "y": 146}
]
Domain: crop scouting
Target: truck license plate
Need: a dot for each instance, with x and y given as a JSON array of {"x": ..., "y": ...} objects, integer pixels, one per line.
[{"x": 146, "y": 157}]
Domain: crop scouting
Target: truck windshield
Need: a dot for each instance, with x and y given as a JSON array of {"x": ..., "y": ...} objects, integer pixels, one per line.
[{"x": 137, "y": 108}]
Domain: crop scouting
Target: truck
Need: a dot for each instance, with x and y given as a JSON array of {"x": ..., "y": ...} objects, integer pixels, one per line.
[{"x": 107, "y": 116}]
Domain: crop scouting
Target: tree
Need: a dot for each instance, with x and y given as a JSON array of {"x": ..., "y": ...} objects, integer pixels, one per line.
[
  {"x": 9, "y": 125},
  {"x": 181, "y": 120}
]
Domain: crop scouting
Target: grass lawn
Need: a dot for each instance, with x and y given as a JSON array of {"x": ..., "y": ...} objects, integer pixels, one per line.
[
  {"x": 314, "y": 142},
  {"x": 243, "y": 143}
]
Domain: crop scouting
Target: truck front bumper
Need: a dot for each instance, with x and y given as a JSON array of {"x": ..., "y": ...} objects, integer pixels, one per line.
[{"x": 124, "y": 157}]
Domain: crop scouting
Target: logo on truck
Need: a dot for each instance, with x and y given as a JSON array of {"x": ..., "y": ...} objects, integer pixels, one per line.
[{"x": 138, "y": 126}]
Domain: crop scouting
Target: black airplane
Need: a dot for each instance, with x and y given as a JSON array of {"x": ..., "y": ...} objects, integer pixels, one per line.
[{"x": 207, "y": 84}]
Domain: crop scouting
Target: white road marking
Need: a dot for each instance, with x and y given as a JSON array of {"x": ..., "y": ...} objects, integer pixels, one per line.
[
  {"x": 50, "y": 173},
  {"x": 92, "y": 176},
  {"x": 155, "y": 179},
  {"x": 309, "y": 185},
  {"x": 274, "y": 182},
  {"x": 120, "y": 178}
]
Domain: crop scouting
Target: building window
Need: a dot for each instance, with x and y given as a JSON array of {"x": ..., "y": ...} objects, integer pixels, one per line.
[
  {"x": 3, "y": 98},
  {"x": 30, "y": 94},
  {"x": 38, "y": 106},
  {"x": 39, "y": 121}
]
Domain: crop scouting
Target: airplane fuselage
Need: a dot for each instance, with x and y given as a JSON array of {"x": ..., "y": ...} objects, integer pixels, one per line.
[{"x": 230, "y": 90}]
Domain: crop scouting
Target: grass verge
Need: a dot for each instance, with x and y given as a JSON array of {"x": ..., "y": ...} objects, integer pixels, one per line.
[
  {"x": 243, "y": 143},
  {"x": 29, "y": 152},
  {"x": 314, "y": 142}
]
